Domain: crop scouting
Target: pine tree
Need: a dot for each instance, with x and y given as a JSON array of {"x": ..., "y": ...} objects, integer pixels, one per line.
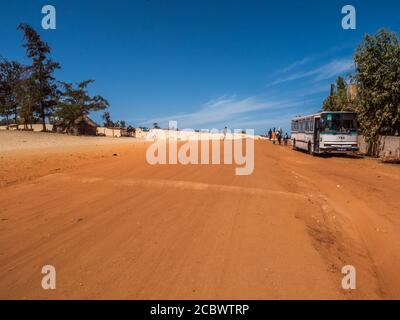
[
  {"x": 76, "y": 102},
  {"x": 10, "y": 75},
  {"x": 42, "y": 70}
]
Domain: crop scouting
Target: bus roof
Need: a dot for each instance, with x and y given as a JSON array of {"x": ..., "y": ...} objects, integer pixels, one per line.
[{"x": 321, "y": 113}]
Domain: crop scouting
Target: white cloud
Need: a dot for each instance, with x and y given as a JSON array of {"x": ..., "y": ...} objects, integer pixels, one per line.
[
  {"x": 310, "y": 58},
  {"x": 224, "y": 111},
  {"x": 324, "y": 72},
  {"x": 296, "y": 64}
]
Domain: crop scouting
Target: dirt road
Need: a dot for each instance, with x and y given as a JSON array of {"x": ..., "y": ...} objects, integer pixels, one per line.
[{"x": 116, "y": 227}]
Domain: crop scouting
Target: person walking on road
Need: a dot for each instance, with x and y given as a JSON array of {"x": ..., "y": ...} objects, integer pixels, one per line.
[
  {"x": 285, "y": 139},
  {"x": 273, "y": 136},
  {"x": 225, "y": 132},
  {"x": 269, "y": 134}
]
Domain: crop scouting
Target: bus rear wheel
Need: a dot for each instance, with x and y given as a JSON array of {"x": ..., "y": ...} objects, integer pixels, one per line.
[{"x": 294, "y": 144}]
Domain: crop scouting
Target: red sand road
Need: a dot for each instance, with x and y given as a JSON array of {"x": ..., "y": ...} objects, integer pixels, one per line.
[{"x": 116, "y": 227}]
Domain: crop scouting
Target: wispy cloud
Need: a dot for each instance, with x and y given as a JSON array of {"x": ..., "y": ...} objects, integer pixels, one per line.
[
  {"x": 311, "y": 58},
  {"x": 295, "y": 65},
  {"x": 278, "y": 116},
  {"x": 334, "y": 68},
  {"x": 323, "y": 72},
  {"x": 226, "y": 110}
]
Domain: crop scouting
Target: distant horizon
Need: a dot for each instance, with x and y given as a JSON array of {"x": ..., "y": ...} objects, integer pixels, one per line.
[{"x": 205, "y": 64}]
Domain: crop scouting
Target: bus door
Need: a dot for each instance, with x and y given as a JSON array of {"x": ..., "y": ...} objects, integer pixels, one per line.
[{"x": 316, "y": 134}]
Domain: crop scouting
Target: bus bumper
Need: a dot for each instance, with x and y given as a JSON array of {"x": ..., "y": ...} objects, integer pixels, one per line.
[{"x": 339, "y": 149}]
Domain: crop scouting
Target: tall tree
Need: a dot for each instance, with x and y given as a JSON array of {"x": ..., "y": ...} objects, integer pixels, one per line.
[
  {"x": 378, "y": 81},
  {"x": 108, "y": 123},
  {"x": 337, "y": 100},
  {"x": 10, "y": 75},
  {"x": 42, "y": 70},
  {"x": 5, "y": 109},
  {"x": 26, "y": 94},
  {"x": 76, "y": 102}
]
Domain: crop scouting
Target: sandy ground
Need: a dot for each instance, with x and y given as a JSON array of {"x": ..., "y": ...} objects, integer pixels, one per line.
[
  {"x": 116, "y": 227},
  {"x": 23, "y": 140}
]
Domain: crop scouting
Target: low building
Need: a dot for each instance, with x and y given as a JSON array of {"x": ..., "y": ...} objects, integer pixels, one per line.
[
  {"x": 81, "y": 126},
  {"x": 116, "y": 132},
  {"x": 128, "y": 132},
  {"x": 109, "y": 132}
]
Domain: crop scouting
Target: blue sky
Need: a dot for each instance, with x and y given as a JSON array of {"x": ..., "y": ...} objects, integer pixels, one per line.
[{"x": 206, "y": 64}]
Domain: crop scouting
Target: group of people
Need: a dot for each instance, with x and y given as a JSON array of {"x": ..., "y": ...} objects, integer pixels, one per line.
[{"x": 277, "y": 135}]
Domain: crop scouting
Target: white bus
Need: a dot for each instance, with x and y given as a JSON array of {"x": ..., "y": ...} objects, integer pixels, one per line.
[{"x": 325, "y": 132}]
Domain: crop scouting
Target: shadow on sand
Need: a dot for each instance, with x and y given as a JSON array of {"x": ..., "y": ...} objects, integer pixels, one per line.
[
  {"x": 334, "y": 155},
  {"x": 339, "y": 155}
]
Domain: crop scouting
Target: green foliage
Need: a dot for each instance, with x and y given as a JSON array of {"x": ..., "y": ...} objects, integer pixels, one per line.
[
  {"x": 27, "y": 97},
  {"x": 75, "y": 102},
  {"x": 108, "y": 123},
  {"x": 378, "y": 80},
  {"x": 337, "y": 100},
  {"x": 10, "y": 76}
]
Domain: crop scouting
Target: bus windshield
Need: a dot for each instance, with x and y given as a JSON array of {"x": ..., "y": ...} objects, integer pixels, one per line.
[{"x": 338, "y": 122}]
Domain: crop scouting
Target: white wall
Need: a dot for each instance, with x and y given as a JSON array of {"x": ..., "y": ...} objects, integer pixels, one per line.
[
  {"x": 189, "y": 135},
  {"x": 388, "y": 147},
  {"x": 35, "y": 127},
  {"x": 109, "y": 132}
]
